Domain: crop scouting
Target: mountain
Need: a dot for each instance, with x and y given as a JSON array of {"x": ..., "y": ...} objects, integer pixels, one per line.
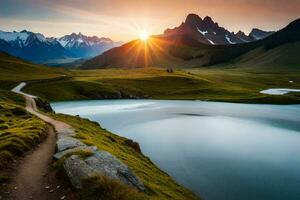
[
  {"x": 182, "y": 50},
  {"x": 209, "y": 32},
  {"x": 32, "y": 46},
  {"x": 258, "y": 34},
  {"x": 35, "y": 47},
  {"x": 280, "y": 51},
  {"x": 84, "y": 46}
]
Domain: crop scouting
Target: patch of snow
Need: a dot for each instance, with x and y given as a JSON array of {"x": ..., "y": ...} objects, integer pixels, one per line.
[
  {"x": 243, "y": 40},
  {"x": 215, "y": 33},
  {"x": 228, "y": 39},
  {"x": 210, "y": 41},
  {"x": 80, "y": 41},
  {"x": 202, "y": 32},
  {"x": 41, "y": 37},
  {"x": 280, "y": 91},
  {"x": 63, "y": 42},
  {"x": 256, "y": 37}
]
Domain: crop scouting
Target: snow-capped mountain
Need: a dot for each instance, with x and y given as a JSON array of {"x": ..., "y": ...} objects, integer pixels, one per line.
[
  {"x": 35, "y": 47},
  {"x": 258, "y": 34},
  {"x": 31, "y": 46},
  {"x": 209, "y": 32},
  {"x": 85, "y": 46}
]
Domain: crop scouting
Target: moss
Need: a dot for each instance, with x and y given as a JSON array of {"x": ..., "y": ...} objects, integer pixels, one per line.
[{"x": 19, "y": 131}]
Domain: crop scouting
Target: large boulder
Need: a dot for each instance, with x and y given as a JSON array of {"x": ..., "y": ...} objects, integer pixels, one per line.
[
  {"x": 77, "y": 170},
  {"x": 64, "y": 143},
  {"x": 98, "y": 163},
  {"x": 108, "y": 165}
]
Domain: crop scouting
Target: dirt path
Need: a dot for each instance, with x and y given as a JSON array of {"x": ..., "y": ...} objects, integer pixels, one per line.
[{"x": 33, "y": 178}]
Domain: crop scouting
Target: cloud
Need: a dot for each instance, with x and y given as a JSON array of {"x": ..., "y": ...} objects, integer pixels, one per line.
[{"x": 123, "y": 18}]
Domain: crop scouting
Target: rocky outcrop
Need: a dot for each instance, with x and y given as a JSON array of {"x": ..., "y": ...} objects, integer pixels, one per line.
[
  {"x": 43, "y": 105},
  {"x": 133, "y": 145},
  {"x": 97, "y": 162}
]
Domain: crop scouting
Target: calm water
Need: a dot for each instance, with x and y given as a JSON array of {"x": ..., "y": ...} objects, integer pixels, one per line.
[{"x": 218, "y": 150}]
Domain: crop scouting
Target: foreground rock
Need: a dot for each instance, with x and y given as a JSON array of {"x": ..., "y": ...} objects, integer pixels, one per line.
[{"x": 94, "y": 162}]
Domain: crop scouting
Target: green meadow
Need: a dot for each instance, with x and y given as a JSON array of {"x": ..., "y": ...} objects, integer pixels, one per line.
[{"x": 229, "y": 84}]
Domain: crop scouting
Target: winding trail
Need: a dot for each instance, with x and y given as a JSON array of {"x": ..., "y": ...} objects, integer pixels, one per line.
[{"x": 33, "y": 178}]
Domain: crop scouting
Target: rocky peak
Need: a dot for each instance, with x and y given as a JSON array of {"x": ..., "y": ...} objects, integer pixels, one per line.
[
  {"x": 208, "y": 20},
  {"x": 192, "y": 19},
  {"x": 259, "y": 34},
  {"x": 240, "y": 33}
]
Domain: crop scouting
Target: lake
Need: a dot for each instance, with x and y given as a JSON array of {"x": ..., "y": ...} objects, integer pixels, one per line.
[{"x": 218, "y": 150}]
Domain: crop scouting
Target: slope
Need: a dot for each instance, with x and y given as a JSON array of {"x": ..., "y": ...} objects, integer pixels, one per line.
[
  {"x": 284, "y": 58},
  {"x": 13, "y": 70}
]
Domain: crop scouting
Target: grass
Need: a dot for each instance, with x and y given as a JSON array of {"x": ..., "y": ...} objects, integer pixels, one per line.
[
  {"x": 159, "y": 184},
  {"x": 101, "y": 187},
  {"x": 229, "y": 84},
  {"x": 19, "y": 131},
  {"x": 14, "y": 70}
]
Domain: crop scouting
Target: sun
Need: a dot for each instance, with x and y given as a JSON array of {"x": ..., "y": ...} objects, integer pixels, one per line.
[{"x": 144, "y": 36}]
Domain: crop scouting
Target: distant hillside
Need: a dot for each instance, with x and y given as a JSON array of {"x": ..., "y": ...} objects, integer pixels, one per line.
[
  {"x": 282, "y": 58},
  {"x": 13, "y": 69},
  {"x": 184, "y": 51}
]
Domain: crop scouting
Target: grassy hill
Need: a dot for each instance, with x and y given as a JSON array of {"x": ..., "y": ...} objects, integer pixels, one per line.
[
  {"x": 13, "y": 70},
  {"x": 20, "y": 131},
  {"x": 282, "y": 58}
]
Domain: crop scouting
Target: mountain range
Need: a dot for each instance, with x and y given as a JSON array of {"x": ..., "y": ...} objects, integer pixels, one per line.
[
  {"x": 186, "y": 46},
  {"x": 209, "y": 32},
  {"x": 35, "y": 47}
]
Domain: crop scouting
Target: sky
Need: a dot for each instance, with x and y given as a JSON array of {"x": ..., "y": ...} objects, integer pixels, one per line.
[{"x": 123, "y": 20}]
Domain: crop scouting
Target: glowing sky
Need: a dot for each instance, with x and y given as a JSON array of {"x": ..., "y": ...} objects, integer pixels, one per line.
[{"x": 125, "y": 19}]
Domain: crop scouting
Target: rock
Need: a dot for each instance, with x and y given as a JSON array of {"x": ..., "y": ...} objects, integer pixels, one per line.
[
  {"x": 61, "y": 154},
  {"x": 105, "y": 163},
  {"x": 67, "y": 132},
  {"x": 133, "y": 145},
  {"x": 77, "y": 170},
  {"x": 65, "y": 143},
  {"x": 43, "y": 105},
  {"x": 101, "y": 162}
]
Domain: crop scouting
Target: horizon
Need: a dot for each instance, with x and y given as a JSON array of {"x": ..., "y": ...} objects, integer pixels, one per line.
[{"x": 124, "y": 21}]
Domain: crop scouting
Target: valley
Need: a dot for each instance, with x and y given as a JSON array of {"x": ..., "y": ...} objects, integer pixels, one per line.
[{"x": 181, "y": 111}]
